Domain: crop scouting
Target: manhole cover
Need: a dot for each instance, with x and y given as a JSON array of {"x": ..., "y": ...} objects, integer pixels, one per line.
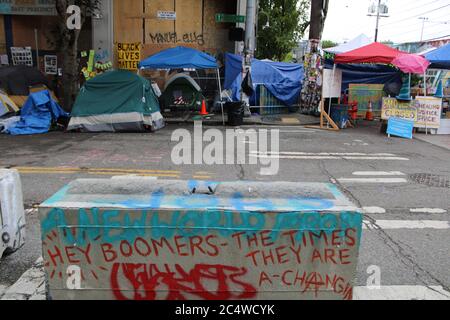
[{"x": 431, "y": 180}]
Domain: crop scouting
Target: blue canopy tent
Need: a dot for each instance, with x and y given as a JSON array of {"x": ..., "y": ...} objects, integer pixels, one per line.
[
  {"x": 283, "y": 80},
  {"x": 183, "y": 58},
  {"x": 439, "y": 58}
]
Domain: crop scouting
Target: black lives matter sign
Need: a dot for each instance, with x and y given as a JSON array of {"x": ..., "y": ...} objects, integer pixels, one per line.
[{"x": 128, "y": 56}]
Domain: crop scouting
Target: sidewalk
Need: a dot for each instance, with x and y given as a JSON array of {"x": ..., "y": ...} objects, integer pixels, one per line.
[
  {"x": 442, "y": 141},
  {"x": 294, "y": 119}
]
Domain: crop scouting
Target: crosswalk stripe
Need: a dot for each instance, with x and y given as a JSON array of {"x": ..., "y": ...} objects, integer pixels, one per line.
[
  {"x": 401, "y": 293},
  {"x": 373, "y": 180},
  {"x": 378, "y": 173},
  {"x": 406, "y": 224}
]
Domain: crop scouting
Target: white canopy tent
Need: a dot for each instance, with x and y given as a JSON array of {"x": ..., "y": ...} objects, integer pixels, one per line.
[{"x": 360, "y": 41}]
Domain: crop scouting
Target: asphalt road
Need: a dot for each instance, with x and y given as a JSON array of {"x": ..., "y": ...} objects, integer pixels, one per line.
[{"x": 397, "y": 181}]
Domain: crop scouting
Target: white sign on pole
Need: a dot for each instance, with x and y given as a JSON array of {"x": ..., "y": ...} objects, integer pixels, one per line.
[
  {"x": 332, "y": 83},
  {"x": 167, "y": 15},
  {"x": 21, "y": 56},
  {"x": 429, "y": 111},
  {"x": 51, "y": 64}
]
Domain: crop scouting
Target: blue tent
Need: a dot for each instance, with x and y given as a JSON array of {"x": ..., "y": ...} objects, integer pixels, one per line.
[
  {"x": 37, "y": 115},
  {"x": 440, "y": 58},
  {"x": 283, "y": 80},
  {"x": 179, "y": 58}
]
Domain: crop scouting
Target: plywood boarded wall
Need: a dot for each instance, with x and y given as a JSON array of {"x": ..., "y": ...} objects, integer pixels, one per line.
[
  {"x": 2, "y": 36},
  {"x": 195, "y": 26}
]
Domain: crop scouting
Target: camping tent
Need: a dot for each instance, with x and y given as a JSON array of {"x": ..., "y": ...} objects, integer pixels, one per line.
[
  {"x": 283, "y": 80},
  {"x": 182, "y": 93},
  {"x": 6, "y": 105},
  {"x": 179, "y": 58},
  {"x": 360, "y": 41},
  {"x": 16, "y": 81},
  {"x": 440, "y": 58},
  {"x": 116, "y": 101},
  {"x": 37, "y": 115},
  {"x": 372, "y": 53}
]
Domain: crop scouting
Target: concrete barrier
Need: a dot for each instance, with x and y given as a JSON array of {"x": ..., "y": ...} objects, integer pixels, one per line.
[
  {"x": 12, "y": 214},
  {"x": 135, "y": 239}
]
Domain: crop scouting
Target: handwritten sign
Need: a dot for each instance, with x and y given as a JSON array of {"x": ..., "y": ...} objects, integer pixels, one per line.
[
  {"x": 424, "y": 111},
  {"x": 429, "y": 111},
  {"x": 51, "y": 64},
  {"x": 400, "y": 128},
  {"x": 128, "y": 56},
  {"x": 332, "y": 83},
  {"x": 393, "y": 108}
]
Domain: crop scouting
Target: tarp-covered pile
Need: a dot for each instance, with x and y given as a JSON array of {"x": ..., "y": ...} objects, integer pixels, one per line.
[
  {"x": 37, "y": 115},
  {"x": 283, "y": 80},
  {"x": 116, "y": 101}
]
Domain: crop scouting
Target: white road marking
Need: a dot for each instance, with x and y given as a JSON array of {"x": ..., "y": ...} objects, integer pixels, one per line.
[
  {"x": 328, "y": 157},
  {"x": 325, "y": 153},
  {"x": 428, "y": 210},
  {"x": 406, "y": 224},
  {"x": 401, "y": 293},
  {"x": 378, "y": 173},
  {"x": 373, "y": 210},
  {"x": 373, "y": 180}
]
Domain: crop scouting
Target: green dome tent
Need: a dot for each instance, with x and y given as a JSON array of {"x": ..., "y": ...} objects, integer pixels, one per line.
[{"x": 116, "y": 101}]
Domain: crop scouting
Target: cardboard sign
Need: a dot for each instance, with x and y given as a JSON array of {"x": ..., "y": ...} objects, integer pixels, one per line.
[
  {"x": 393, "y": 108},
  {"x": 424, "y": 111},
  {"x": 129, "y": 56},
  {"x": 429, "y": 110},
  {"x": 332, "y": 83},
  {"x": 400, "y": 128}
]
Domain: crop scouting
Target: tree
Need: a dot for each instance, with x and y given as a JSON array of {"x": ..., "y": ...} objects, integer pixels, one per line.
[
  {"x": 319, "y": 12},
  {"x": 281, "y": 24},
  {"x": 67, "y": 42},
  {"x": 328, "y": 44}
]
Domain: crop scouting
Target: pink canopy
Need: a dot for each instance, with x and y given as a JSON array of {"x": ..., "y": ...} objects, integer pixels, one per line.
[{"x": 411, "y": 63}]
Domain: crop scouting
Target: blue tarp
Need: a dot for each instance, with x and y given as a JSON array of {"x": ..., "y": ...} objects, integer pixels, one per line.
[
  {"x": 283, "y": 80},
  {"x": 366, "y": 74},
  {"x": 440, "y": 58},
  {"x": 179, "y": 58},
  {"x": 37, "y": 115}
]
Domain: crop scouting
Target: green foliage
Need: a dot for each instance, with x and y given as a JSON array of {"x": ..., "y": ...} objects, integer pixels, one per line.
[
  {"x": 281, "y": 24},
  {"x": 328, "y": 44}
]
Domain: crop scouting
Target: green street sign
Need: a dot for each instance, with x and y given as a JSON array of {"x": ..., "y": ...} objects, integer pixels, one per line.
[{"x": 229, "y": 18}]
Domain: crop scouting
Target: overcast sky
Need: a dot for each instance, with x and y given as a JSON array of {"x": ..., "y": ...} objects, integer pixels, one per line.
[{"x": 348, "y": 18}]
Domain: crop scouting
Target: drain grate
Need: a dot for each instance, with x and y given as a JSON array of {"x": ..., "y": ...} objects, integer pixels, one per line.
[{"x": 430, "y": 180}]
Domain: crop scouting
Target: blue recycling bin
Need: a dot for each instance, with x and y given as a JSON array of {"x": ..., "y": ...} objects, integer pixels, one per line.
[{"x": 340, "y": 114}]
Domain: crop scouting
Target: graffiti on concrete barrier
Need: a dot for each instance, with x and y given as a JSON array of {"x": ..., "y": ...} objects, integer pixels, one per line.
[
  {"x": 174, "y": 37},
  {"x": 215, "y": 255}
]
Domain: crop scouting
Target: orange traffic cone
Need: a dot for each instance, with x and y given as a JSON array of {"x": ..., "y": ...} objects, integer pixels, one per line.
[
  {"x": 369, "y": 114},
  {"x": 203, "y": 112}
]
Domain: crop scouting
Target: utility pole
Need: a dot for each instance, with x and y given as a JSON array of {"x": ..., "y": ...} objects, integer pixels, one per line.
[
  {"x": 379, "y": 11},
  {"x": 249, "y": 49},
  {"x": 319, "y": 10},
  {"x": 425, "y": 19},
  {"x": 378, "y": 21}
]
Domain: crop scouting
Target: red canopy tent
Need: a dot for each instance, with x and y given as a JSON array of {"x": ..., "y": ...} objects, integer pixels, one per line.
[{"x": 372, "y": 53}]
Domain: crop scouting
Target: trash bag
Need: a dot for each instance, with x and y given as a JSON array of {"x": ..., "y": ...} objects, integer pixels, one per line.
[
  {"x": 235, "y": 113},
  {"x": 393, "y": 88},
  {"x": 247, "y": 85}
]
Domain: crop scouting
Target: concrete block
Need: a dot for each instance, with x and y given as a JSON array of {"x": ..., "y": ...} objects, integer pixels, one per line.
[
  {"x": 139, "y": 239},
  {"x": 12, "y": 214}
]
